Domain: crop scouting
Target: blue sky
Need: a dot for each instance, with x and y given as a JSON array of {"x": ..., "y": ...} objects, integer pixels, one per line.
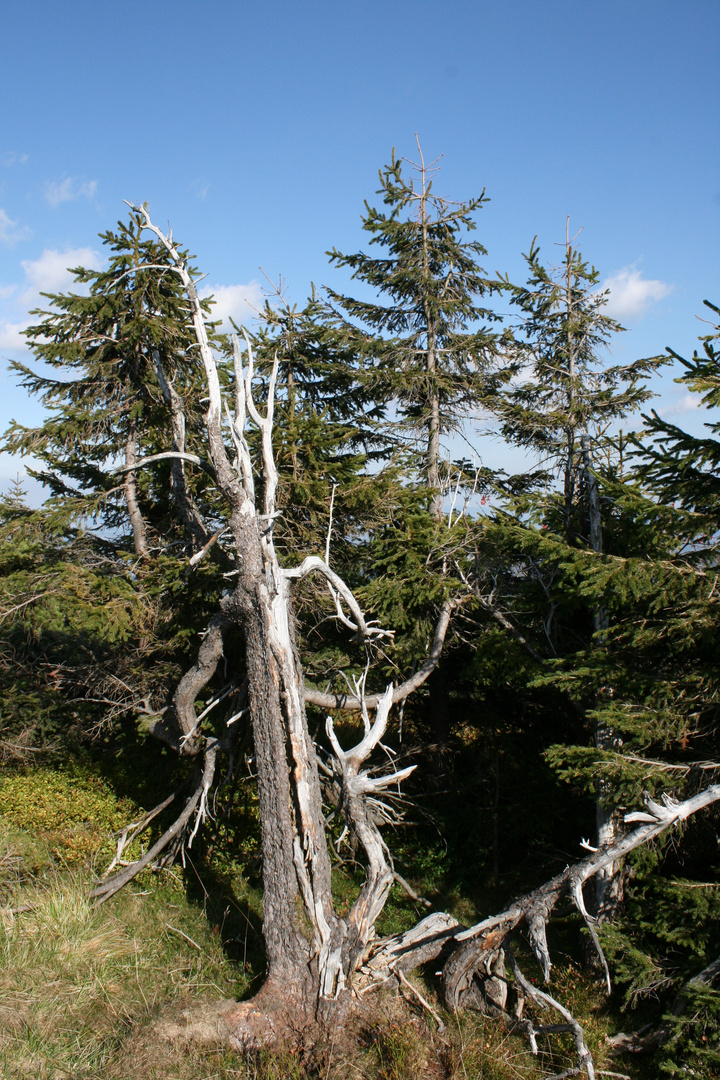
[{"x": 257, "y": 133}]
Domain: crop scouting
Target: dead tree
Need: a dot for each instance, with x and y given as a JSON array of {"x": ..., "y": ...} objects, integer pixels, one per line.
[{"x": 312, "y": 953}]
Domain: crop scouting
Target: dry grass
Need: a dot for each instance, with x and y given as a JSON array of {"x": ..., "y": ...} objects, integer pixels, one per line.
[{"x": 77, "y": 980}]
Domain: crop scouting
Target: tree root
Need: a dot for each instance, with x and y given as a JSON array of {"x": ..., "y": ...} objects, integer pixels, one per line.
[{"x": 278, "y": 1016}]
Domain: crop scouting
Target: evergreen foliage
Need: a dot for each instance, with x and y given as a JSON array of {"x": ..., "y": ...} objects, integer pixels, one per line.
[
  {"x": 104, "y": 348},
  {"x": 680, "y": 468},
  {"x": 566, "y": 387},
  {"x": 431, "y": 350}
]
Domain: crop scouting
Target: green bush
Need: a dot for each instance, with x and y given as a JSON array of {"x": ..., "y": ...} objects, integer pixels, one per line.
[{"x": 74, "y": 812}]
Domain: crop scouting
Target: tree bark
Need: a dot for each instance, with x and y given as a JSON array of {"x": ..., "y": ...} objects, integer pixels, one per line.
[
  {"x": 137, "y": 521},
  {"x": 609, "y": 880}
]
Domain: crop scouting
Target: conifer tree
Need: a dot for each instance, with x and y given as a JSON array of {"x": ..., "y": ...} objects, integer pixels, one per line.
[
  {"x": 430, "y": 350},
  {"x": 652, "y": 680},
  {"x": 120, "y": 348},
  {"x": 568, "y": 389},
  {"x": 123, "y": 389},
  {"x": 563, "y": 407}
]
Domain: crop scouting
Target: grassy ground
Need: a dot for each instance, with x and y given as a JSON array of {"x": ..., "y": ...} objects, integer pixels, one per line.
[{"x": 81, "y": 986}]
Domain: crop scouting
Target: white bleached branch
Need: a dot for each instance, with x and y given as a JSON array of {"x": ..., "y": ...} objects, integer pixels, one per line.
[
  {"x": 237, "y": 427},
  {"x": 265, "y": 425},
  {"x": 363, "y": 811},
  {"x": 340, "y": 592},
  {"x": 402, "y": 690},
  {"x": 225, "y": 473}
]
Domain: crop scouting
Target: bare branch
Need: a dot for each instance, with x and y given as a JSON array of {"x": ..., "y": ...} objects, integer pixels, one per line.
[
  {"x": 339, "y": 591},
  {"x": 330, "y": 521},
  {"x": 203, "y": 552},
  {"x": 194, "y": 680},
  {"x": 423, "y": 1001},
  {"x": 135, "y": 828},
  {"x": 226, "y": 476},
  {"x": 238, "y": 426},
  {"x": 356, "y": 786},
  {"x": 166, "y": 455},
  {"x": 404, "y": 689},
  {"x": 113, "y": 885},
  {"x": 544, "y": 999},
  {"x": 476, "y": 946}
]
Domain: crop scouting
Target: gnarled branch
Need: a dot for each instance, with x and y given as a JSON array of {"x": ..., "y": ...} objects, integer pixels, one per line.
[
  {"x": 108, "y": 888},
  {"x": 340, "y": 591},
  {"x": 404, "y": 689}
]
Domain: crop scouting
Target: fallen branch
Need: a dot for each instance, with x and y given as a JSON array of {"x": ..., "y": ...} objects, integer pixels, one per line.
[
  {"x": 126, "y": 836},
  {"x": 473, "y": 949},
  {"x": 423, "y": 1001},
  {"x": 108, "y": 888}
]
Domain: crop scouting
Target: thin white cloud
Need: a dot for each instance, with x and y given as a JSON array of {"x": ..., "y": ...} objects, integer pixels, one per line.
[
  {"x": 68, "y": 189},
  {"x": 12, "y": 158},
  {"x": 51, "y": 273},
  {"x": 200, "y": 190},
  {"x": 11, "y": 336},
  {"x": 631, "y": 294},
  {"x": 688, "y": 403},
  {"x": 239, "y": 302},
  {"x": 10, "y": 232}
]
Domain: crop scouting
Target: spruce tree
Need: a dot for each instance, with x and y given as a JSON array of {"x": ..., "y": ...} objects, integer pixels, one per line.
[
  {"x": 681, "y": 468},
  {"x": 562, "y": 410},
  {"x": 652, "y": 680},
  {"x": 120, "y": 350},
  {"x": 123, "y": 387},
  {"x": 429, "y": 346},
  {"x": 567, "y": 388},
  {"x": 431, "y": 350}
]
